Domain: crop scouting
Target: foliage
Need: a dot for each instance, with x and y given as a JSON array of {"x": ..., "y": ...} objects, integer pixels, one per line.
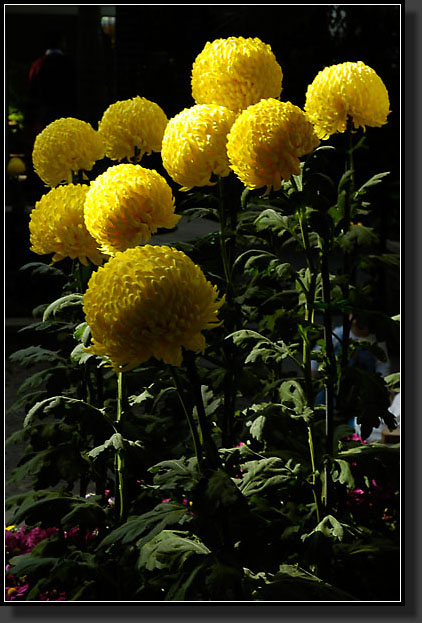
[{"x": 225, "y": 479}]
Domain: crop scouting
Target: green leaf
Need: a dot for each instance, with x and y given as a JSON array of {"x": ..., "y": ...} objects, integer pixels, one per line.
[
  {"x": 266, "y": 473},
  {"x": 27, "y": 564},
  {"x": 329, "y": 527},
  {"x": 70, "y": 300},
  {"x": 79, "y": 355},
  {"x": 375, "y": 179},
  {"x": 40, "y": 268},
  {"x": 82, "y": 333},
  {"x": 34, "y": 355},
  {"x": 86, "y": 513},
  {"x": 115, "y": 441},
  {"x": 393, "y": 381},
  {"x": 257, "y": 427},
  {"x": 174, "y": 473},
  {"x": 150, "y": 524},
  {"x": 342, "y": 472},
  {"x": 359, "y": 235},
  {"x": 170, "y": 548},
  {"x": 63, "y": 404}
]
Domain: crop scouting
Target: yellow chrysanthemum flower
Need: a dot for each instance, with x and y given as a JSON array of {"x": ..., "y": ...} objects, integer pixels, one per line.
[
  {"x": 266, "y": 142},
  {"x": 346, "y": 90},
  {"x": 133, "y": 125},
  {"x": 57, "y": 226},
  {"x": 148, "y": 302},
  {"x": 194, "y": 145},
  {"x": 64, "y": 147},
  {"x": 126, "y": 204},
  {"x": 235, "y": 72}
]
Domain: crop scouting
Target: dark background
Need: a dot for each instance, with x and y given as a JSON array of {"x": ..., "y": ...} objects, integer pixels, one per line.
[{"x": 151, "y": 53}]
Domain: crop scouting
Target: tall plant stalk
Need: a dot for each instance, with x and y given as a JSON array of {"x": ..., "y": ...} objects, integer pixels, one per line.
[
  {"x": 209, "y": 447},
  {"x": 227, "y": 220},
  {"x": 191, "y": 422},
  {"x": 306, "y": 350},
  {"x": 120, "y": 476}
]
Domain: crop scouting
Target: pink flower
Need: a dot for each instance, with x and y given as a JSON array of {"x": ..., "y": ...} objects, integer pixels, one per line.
[
  {"x": 15, "y": 592},
  {"x": 53, "y": 595}
]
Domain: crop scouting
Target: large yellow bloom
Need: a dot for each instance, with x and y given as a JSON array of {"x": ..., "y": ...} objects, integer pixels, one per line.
[
  {"x": 66, "y": 145},
  {"x": 132, "y": 124},
  {"x": 266, "y": 142},
  {"x": 126, "y": 204},
  {"x": 235, "y": 72},
  {"x": 148, "y": 302},
  {"x": 194, "y": 145},
  {"x": 57, "y": 226},
  {"x": 346, "y": 90}
]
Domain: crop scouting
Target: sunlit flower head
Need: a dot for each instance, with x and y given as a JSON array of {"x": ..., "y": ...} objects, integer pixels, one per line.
[
  {"x": 346, "y": 90},
  {"x": 64, "y": 147},
  {"x": 132, "y": 128},
  {"x": 148, "y": 302},
  {"x": 57, "y": 226},
  {"x": 126, "y": 204},
  {"x": 266, "y": 142},
  {"x": 194, "y": 145},
  {"x": 235, "y": 72}
]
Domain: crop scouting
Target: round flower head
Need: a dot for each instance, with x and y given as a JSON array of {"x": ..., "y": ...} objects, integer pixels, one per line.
[
  {"x": 266, "y": 142},
  {"x": 132, "y": 128},
  {"x": 194, "y": 145},
  {"x": 66, "y": 145},
  {"x": 346, "y": 90},
  {"x": 148, "y": 302},
  {"x": 57, "y": 225},
  {"x": 235, "y": 73},
  {"x": 126, "y": 204}
]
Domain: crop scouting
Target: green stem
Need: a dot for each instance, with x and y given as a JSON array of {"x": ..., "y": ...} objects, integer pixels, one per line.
[
  {"x": 347, "y": 260},
  {"x": 209, "y": 445},
  {"x": 309, "y": 316},
  {"x": 331, "y": 379},
  {"x": 189, "y": 418},
  {"x": 312, "y": 453},
  {"x": 223, "y": 242},
  {"x": 227, "y": 247},
  {"x": 119, "y": 455}
]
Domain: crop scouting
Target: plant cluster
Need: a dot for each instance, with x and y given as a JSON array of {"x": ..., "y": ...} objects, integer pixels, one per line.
[{"x": 175, "y": 446}]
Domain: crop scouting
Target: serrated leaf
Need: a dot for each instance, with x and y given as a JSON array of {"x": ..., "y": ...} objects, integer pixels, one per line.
[
  {"x": 43, "y": 269},
  {"x": 79, "y": 355},
  {"x": 162, "y": 515},
  {"x": 170, "y": 547},
  {"x": 375, "y": 179},
  {"x": 34, "y": 355},
  {"x": 70, "y": 300},
  {"x": 116, "y": 441},
  {"x": 257, "y": 427},
  {"x": 329, "y": 527},
  {"x": 342, "y": 472},
  {"x": 265, "y": 473}
]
